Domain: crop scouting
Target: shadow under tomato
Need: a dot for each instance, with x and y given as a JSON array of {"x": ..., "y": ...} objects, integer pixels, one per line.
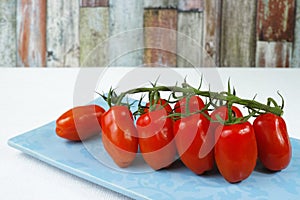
[{"x": 261, "y": 169}]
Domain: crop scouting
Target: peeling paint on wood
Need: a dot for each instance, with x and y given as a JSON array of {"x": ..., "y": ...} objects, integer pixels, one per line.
[
  {"x": 273, "y": 54},
  {"x": 189, "y": 39},
  {"x": 161, "y": 39},
  {"x": 296, "y": 50},
  {"x": 275, "y": 20},
  {"x": 8, "y": 33},
  {"x": 126, "y": 23},
  {"x": 63, "y": 33},
  {"x": 31, "y": 33},
  {"x": 238, "y": 38},
  {"x": 93, "y": 3},
  {"x": 93, "y": 33},
  {"x": 190, "y": 5},
  {"x": 212, "y": 33},
  {"x": 160, "y": 3}
]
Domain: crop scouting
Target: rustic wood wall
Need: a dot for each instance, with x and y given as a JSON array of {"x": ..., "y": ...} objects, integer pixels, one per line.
[{"x": 174, "y": 33}]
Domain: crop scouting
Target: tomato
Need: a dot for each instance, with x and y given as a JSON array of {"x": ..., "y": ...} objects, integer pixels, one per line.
[
  {"x": 161, "y": 102},
  {"x": 119, "y": 135},
  {"x": 273, "y": 143},
  {"x": 195, "y": 104},
  {"x": 190, "y": 135},
  {"x": 156, "y": 138},
  {"x": 235, "y": 151},
  {"x": 79, "y": 123}
]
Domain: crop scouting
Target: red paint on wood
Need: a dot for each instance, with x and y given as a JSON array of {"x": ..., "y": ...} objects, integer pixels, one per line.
[
  {"x": 275, "y": 20},
  {"x": 32, "y": 33},
  {"x": 23, "y": 46},
  {"x": 274, "y": 54},
  {"x": 94, "y": 3},
  {"x": 160, "y": 38}
]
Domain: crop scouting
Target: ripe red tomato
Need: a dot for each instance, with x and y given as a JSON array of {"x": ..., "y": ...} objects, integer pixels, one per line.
[
  {"x": 119, "y": 135},
  {"x": 156, "y": 138},
  {"x": 79, "y": 123},
  {"x": 161, "y": 103},
  {"x": 195, "y": 104},
  {"x": 273, "y": 143},
  {"x": 235, "y": 151},
  {"x": 190, "y": 135}
]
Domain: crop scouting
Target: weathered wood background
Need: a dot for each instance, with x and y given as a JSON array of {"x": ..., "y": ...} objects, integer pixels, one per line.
[{"x": 174, "y": 33}]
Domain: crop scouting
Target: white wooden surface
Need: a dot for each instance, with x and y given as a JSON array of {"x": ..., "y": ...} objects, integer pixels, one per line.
[
  {"x": 8, "y": 33},
  {"x": 63, "y": 33},
  {"x": 94, "y": 32},
  {"x": 189, "y": 39},
  {"x": 126, "y": 23}
]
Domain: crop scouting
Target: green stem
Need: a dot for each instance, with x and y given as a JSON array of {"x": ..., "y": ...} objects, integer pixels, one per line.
[{"x": 252, "y": 104}]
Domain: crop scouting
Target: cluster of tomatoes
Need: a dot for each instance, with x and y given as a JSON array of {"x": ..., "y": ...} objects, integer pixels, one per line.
[{"x": 199, "y": 138}]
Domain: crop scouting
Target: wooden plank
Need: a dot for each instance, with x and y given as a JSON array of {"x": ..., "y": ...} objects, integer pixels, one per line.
[
  {"x": 273, "y": 54},
  {"x": 191, "y": 5},
  {"x": 160, "y": 3},
  {"x": 238, "y": 36},
  {"x": 63, "y": 33},
  {"x": 296, "y": 50},
  {"x": 189, "y": 39},
  {"x": 126, "y": 23},
  {"x": 93, "y": 3},
  {"x": 275, "y": 20},
  {"x": 160, "y": 40},
  {"x": 212, "y": 33},
  {"x": 8, "y": 33},
  {"x": 93, "y": 33},
  {"x": 31, "y": 33}
]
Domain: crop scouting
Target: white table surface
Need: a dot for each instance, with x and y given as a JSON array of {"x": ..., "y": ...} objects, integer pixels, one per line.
[{"x": 33, "y": 97}]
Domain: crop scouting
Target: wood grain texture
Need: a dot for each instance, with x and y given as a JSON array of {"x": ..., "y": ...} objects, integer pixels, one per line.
[
  {"x": 160, "y": 3},
  {"x": 191, "y": 5},
  {"x": 275, "y": 20},
  {"x": 93, "y": 33},
  {"x": 238, "y": 36},
  {"x": 189, "y": 39},
  {"x": 161, "y": 38},
  {"x": 212, "y": 33},
  {"x": 273, "y": 54},
  {"x": 296, "y": 50},
  {"x": 8, "y": 33},
  {"x": 126, "y": 36},
  {"x": 93, "y": 3},
  {"x": 31, "y": 33},
  {"x": 63, "y": 33}
]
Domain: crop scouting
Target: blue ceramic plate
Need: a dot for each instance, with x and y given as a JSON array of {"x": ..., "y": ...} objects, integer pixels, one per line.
[{"x": 89, "y": 161}]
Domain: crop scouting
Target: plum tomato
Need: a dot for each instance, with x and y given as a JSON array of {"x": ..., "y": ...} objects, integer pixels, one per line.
[
  {"x": 119, "y": 135},
  {"x": 80, "y": 123},
  {"x": 273, "y": 143}
]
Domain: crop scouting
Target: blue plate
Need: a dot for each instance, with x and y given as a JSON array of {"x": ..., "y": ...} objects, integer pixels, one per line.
[{"x": 89, "y": 161}]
